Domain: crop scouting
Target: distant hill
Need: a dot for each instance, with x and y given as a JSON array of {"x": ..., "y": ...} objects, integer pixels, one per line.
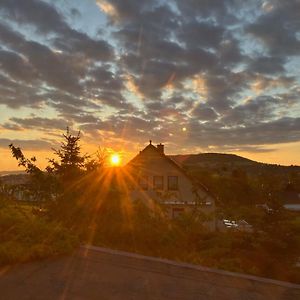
[
  {"x": 212, "y": 159},
  {"x": 226, "y": 163},
  {"x": 14, "y": 178},
  {"x": 16, "y": 172}
]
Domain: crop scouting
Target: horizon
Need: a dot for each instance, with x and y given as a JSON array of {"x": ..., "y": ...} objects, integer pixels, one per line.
[
  {"x": 124, "y": 162},
  {"x": 198, "y": 76}
]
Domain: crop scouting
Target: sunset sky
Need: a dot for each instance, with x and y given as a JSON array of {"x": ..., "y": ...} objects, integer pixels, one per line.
[{"x": 198, "y": 76}]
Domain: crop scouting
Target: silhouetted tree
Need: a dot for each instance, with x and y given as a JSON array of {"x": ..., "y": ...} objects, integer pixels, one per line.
[
  {"x": 69, "y": 166},
  {"x": 42, "y": 185},
  {"x": 71, "y": 163},
  {"x": 98, "y": 161}
]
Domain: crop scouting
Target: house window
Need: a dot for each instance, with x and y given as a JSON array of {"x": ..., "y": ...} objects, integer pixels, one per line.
[
  {"x": 172, "y": 183},
  {"x": 143, "y": 182},
  {"x": 158, "y": 182}
]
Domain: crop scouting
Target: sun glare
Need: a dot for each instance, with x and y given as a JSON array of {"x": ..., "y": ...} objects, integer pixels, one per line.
[{"x": 115, "y": 159}]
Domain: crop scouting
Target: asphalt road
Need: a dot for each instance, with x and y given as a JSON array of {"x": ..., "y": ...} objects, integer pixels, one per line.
[{"x": 93, "y": 273}]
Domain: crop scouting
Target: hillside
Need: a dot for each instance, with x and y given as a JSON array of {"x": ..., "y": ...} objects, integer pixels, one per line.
[
  {"x": 238, "y": 181},
  {"x": 212, "y": 158},
  {"x": 229, "y": 162},
  {"x": 16, "y": 172}
]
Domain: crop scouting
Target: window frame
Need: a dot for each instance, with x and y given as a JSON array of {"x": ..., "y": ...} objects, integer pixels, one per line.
[
  {"x": 177, "y": 183},
  {"x": 144, "y": 182},
  {"x": 161, "y": 186}
]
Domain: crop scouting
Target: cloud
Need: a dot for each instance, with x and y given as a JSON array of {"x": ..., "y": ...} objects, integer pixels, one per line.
[
  {"x": 277, "y": 28},
  {"x": 201, "y": 34},
  {"x": 225, "y": 70},
  {"x": 46, "y": 19},
  {"x": 40, "y": 123},
  {"x": 260, "y": 109},
  {"x": 238, "y": 148},
  {"x": 282, "y": 130},
  {"x": 17, "y": 66},
  {"x": 267, "y": 65},
  {"x": 37, "y": 145},
  {"x": 56, "y": 69},
  {"x": 203, "y": 113},
  {"x": 118, "y": 10}
]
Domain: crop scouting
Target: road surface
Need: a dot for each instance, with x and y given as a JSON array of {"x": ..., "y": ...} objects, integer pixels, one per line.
[{"x": 97, "y": 273}]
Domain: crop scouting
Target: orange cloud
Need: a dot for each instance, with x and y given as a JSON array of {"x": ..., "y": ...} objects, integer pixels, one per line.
[{"x": 107, "y": 8}]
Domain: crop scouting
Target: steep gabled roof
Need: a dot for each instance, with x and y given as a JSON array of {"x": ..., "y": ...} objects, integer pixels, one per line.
[{"x": 149, "y": 148}]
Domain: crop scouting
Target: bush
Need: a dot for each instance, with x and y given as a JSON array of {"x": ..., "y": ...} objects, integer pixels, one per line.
[{"x": 25, "y": 237}]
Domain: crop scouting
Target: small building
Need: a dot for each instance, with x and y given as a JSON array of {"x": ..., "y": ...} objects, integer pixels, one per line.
[
  {"x": 291, "y": 200},
  {"x": 156, "y": 177}
]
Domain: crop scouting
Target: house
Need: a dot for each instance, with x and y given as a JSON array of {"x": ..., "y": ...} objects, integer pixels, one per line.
[
  {"x": 291, "y": 200},
  {"x": 156, "y": 177},
  {"x": 15, "y": 186}
]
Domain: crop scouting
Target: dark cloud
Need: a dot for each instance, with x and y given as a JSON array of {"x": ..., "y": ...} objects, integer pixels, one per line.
[
  {"x": 201, "y": 34},
  {"x": 45, "y": 18},
  {"x": 57, "y": 69},
  {"x": 128, "y": 127},
  {"x": 278, "y": 28},
  {"x": 40, "y": 123},
  {"x": 203, "y": 113},
  {"x": 17, "y": 95},
  {"x": 103, "y": 76},
  {"x": 230, "y": 53},
  {"x": 260, "y": 109},
  {"x": 16, "y": 66},
  {"x": 267, "y": 65},
  {"x": 36, "y": 64},
  {"x": 206, "y": 8},
  {"x": 197, "y": 47},
  {"x": 282, "y": 130},
  {"x": 221, "y": 89},
  {"x": 37, "y": 145}
]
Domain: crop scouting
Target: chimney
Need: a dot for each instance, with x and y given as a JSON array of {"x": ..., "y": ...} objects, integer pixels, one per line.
[{"x": 160, "y": 148}]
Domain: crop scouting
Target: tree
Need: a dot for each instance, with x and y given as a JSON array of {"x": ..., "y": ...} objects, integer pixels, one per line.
[
  {"x": 28, "y": 164},
  {"x": 46, "y": 185},
  {"x": 98, "y": 160},
  {"x": 71, "y": 163},
  {"x": 42, "y": 185}
]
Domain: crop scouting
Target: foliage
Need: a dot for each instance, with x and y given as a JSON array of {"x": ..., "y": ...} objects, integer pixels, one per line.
[
  {"x": 71, "y": 162},
  {"x": 25, "y": 237},
  {"x": 46, "y": 185},
  {"x": 98, "y": 162},
  {"x": 42, "y": 185}
]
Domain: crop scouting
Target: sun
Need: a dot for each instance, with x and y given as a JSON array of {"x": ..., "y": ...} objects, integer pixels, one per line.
[{"x": 115, "y": 159}]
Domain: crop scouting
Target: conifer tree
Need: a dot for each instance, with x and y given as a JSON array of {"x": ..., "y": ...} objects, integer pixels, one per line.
[{"x": 70, "y": 162}]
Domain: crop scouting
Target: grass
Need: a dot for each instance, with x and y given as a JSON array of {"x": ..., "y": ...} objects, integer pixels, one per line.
[{"x": 26, "y": 237}]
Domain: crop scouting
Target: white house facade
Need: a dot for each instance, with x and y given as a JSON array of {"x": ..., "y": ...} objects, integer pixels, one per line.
[{"x": 157, "y": 177}]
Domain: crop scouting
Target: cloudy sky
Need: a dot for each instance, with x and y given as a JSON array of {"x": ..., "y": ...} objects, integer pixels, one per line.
[{"x": 196, "y": 75}]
